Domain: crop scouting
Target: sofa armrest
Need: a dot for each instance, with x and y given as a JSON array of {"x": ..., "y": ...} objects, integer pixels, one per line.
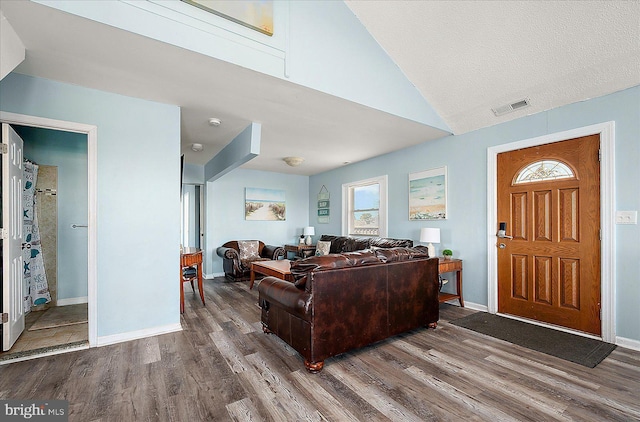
[
  {"x": 228, "y": 253},
  {"x": 273, "y": 252},
  {"x": 286, "y": 295}
]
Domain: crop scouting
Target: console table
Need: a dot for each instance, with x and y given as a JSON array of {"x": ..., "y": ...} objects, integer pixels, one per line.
[{"x": 448, "y": 266}]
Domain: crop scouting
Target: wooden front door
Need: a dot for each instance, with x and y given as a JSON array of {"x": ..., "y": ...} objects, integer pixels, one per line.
[{"x": 549, "y": 200}]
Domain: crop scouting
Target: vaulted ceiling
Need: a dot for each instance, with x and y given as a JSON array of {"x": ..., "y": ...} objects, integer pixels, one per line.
[
  {"x": 464, "y": 57},
  {"x": 469, "y": 57}
]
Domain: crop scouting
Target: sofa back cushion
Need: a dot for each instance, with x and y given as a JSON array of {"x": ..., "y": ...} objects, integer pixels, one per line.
[
  {"x": 401, "y": 253},
  {"x": 300, "y": 269},
  {"x": 341, "y": 244},
  {"x": 384, "y": 242}
]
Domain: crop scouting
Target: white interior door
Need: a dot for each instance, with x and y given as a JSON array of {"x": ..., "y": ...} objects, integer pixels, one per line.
[{"x": 12, "y": 238}]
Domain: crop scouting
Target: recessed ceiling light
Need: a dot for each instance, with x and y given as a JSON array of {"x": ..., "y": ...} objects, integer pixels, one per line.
[{"x": 214, "y": 121}]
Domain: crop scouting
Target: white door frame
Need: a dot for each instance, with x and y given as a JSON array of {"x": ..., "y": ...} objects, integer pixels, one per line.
[
  {"x": 92, "y": 155},
  {"x": 607, "y": 194}
]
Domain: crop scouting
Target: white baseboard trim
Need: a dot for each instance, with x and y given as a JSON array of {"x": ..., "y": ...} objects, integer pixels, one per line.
[
  {"x": 471, "y": 305},
  {"x": 628, "y": 343},
  {"x": 72, "y": 301},
  {"x": 214, "y": 275},
  {"x": 135, "y": 335}
]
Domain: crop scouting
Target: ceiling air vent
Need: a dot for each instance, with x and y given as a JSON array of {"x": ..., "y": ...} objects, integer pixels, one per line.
[{"x": 499, "y": 111}]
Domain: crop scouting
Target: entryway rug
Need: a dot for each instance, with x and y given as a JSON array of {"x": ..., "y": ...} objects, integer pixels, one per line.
[
  {"x": 59, "y": 316},
  {"x": 582, "y": 350}
]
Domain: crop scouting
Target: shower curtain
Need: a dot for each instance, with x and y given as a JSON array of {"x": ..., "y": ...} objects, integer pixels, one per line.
[{"x": 35, "y": 280}]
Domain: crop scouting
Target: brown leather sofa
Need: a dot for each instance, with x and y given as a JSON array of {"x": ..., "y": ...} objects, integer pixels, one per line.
[
  {"x": 341, "y": 302},
  {"x": 236, "y": 269},
  {"x": 341, "y": 244}
]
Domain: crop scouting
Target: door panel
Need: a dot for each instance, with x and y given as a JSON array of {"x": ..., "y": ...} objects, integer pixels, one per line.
[
  {"x": 550, "y": 270},
  {"x": 12, "y": 210}
]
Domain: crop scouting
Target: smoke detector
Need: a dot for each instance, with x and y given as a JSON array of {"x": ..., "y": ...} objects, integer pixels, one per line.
[
  {"x": 508, "y": 108},
  {"x": 214, "y": 121}
]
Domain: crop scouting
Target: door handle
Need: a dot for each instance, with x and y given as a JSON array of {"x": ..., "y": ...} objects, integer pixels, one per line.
[{"x": 502, "y": 231}]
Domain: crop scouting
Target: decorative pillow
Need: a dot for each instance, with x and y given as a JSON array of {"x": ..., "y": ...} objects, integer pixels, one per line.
[
  {"x": 248, "y": 249},
  {"x": 323, "y": 247}
]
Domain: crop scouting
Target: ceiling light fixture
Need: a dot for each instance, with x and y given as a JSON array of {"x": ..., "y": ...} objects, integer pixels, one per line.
[
  {"x": 293, "y": 161},
  {"x": 197, "y": 147},
  {"x": 214, "y": 121}
]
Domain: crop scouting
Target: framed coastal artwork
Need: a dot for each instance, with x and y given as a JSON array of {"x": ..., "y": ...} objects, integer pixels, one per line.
[
  {"x": 254, "y": 14},
  {"x": 428, "y": 194},
  {"x": 264, "y": 204}
]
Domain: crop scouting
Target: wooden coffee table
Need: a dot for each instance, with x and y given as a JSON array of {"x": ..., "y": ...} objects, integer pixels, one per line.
[{"x": 280, "y": 269}]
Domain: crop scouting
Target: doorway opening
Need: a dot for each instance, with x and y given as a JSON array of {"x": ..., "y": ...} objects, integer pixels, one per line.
[
  {"x": 607, "y": 255},
  {"x": 55, "y": 200},
  {"x": 74, "y": 280}
]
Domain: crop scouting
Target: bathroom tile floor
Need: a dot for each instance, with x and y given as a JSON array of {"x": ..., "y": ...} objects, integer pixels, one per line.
[{"x": 42, "y": 341}]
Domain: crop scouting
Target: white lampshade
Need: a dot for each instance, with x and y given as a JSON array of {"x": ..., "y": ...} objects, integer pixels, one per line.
[
  {"x": 429, "y": 235},
  {"x": 309, "y": 231}
]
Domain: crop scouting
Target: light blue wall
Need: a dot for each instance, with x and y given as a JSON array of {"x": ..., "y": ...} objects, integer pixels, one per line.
[
  {"x": 225, "y": 212},
  {"x": 318, "y": 44},
  {"x": 466, "y": 159},
  {"x": 138, "y": 217},
  {"x": 331, "y": 51},
  {"x": 68, "y": 152},
  {"x": 193, "y": 174}
]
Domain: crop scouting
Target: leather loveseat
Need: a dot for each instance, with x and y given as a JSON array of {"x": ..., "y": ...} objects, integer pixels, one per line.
[
  {"x": 341, "y": 302},
  {"x": 238, "y": 269}
]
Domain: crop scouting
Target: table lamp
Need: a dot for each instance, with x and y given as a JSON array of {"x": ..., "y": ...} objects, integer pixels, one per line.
[
  {"x": 430, "y": 236},
  {"x": 309, "y": 231}
]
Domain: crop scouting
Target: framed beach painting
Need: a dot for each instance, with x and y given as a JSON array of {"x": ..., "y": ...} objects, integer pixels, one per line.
[
  {"x": 428, "y": 194},
  {"x": 264, "y": 204}
]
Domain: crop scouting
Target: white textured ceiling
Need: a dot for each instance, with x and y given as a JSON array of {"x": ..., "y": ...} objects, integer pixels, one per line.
[
  {"x": 467, "y": 57},
  {"x": 464, "y": 57}
]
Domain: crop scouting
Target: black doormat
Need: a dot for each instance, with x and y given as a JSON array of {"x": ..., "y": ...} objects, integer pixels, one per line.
[{"x": 571, "y": 347}]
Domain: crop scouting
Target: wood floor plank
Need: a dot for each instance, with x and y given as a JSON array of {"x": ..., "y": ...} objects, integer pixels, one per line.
[{"x": 223, "y": 367}]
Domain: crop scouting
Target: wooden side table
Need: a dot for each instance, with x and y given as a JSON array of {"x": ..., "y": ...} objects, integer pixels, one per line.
[
  {"x": 301, "y": 250},
  {"x": 190, "y": 257},
  {"x": 448, "y": 266}
]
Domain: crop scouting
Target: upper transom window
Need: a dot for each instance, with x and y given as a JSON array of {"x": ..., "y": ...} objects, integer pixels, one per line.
[{"x": 544, "y": 170}]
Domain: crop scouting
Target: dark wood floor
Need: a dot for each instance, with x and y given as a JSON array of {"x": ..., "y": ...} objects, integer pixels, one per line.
[{"x": 223, "y": 367}]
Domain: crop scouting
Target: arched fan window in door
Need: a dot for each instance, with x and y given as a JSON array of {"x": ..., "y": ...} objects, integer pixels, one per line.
[{"x": 544, "y": 170}]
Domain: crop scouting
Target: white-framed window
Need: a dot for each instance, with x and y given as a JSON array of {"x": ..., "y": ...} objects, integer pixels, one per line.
[{"x": 364, "y": 207}]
